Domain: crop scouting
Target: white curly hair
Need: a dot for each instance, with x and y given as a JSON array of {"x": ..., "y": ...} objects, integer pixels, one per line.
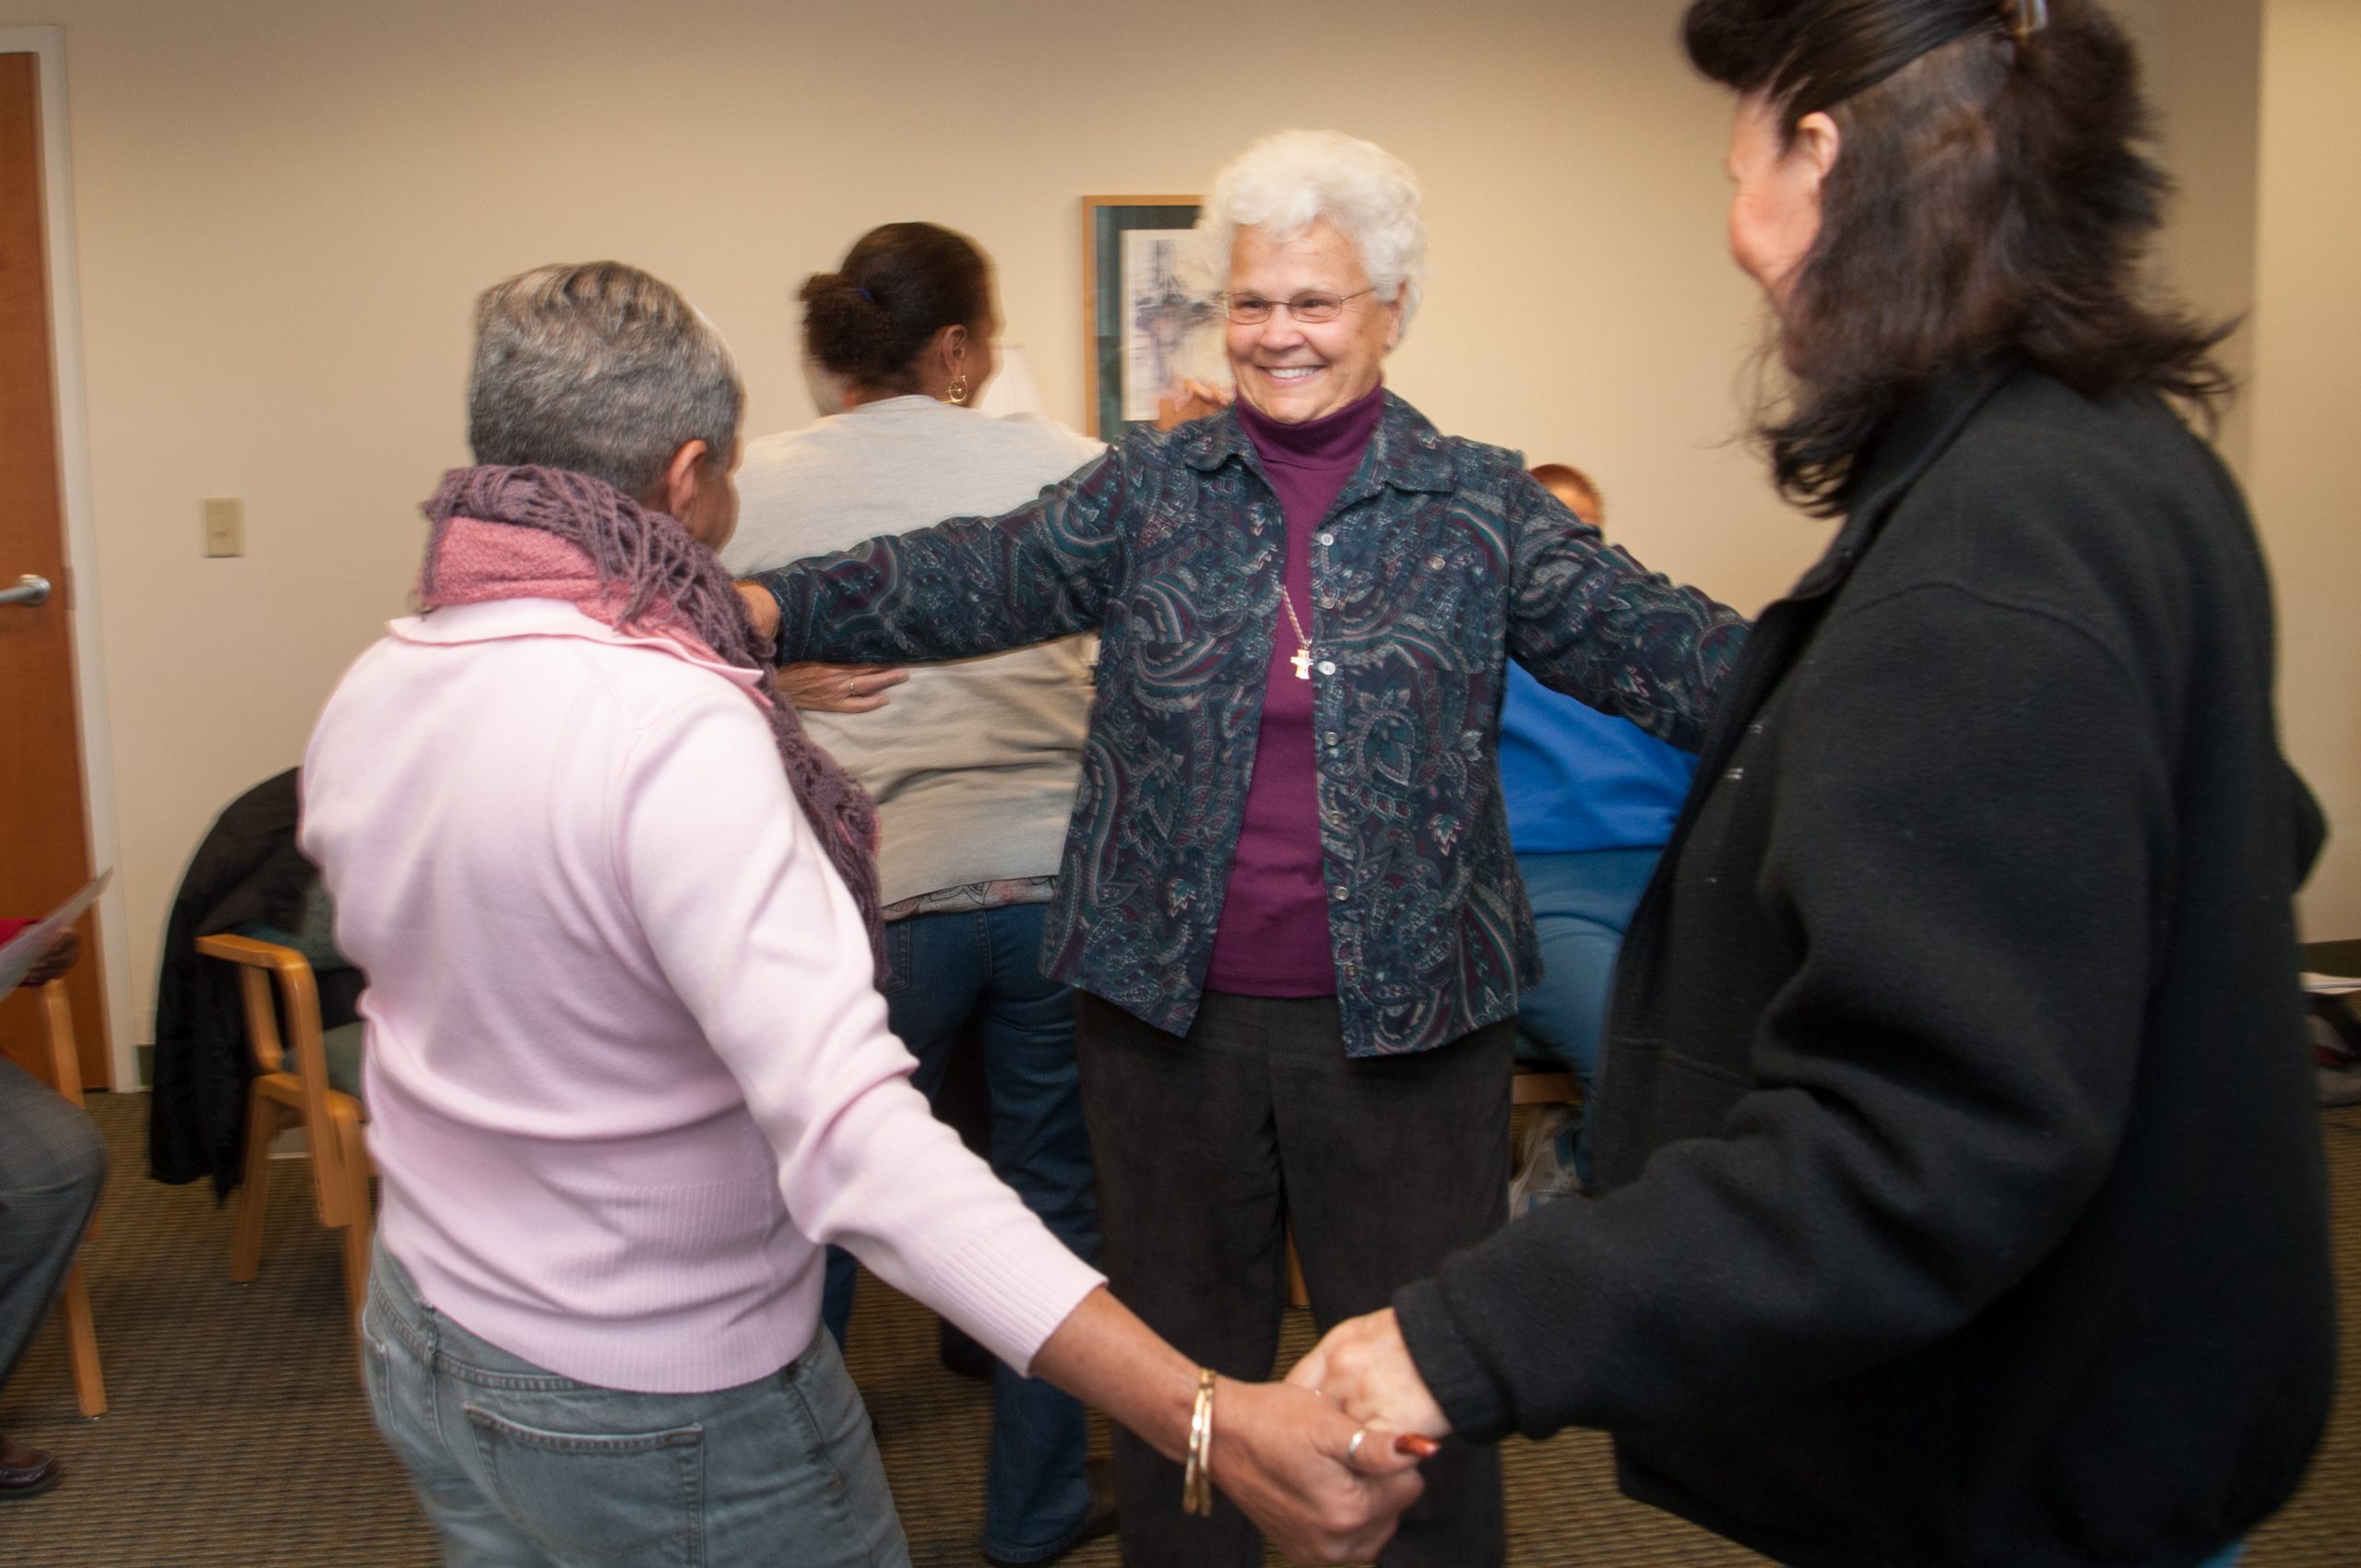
[{"x": 1287, "y": 181}]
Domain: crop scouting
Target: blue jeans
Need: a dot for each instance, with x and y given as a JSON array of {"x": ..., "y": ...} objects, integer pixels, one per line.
[
  {"x": 519, "y": 1468},
  {"x": 53, "y": 1164},
  {"x": 1582, "y": 904},
  {"x": 945, "y": 974}
]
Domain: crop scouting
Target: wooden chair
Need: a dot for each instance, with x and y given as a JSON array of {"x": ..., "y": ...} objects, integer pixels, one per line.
[
  {"x": 287, "y": 1092},
  {"x": 73, "y": 1300},
  {"x": 1544, "y": 1084}
]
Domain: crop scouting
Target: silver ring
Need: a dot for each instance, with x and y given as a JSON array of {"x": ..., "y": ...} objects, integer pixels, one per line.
[{"x": 1353, "y": 1449}]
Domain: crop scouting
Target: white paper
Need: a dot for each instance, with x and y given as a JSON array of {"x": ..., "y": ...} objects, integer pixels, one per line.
[{"x": 25, "y": 949}]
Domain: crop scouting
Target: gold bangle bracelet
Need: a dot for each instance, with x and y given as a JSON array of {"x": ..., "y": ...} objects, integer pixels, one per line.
[
  {"x": 1196, "y": 1479},
  {"x": 1205, "y": 1463}
]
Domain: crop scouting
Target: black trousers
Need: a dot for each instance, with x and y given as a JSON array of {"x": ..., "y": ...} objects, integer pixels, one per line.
[{"x": 1205, "y": 1146}]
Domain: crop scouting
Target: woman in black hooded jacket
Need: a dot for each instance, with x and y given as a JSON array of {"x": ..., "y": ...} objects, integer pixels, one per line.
[{"x": 1961, "y": 1197}]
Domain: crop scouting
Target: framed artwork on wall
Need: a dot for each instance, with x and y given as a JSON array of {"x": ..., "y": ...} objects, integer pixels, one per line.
[{"x": 1146, "y": 323}]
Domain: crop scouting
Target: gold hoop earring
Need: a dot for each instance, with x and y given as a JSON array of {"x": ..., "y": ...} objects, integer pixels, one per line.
[{"x": 958, "y": 391}]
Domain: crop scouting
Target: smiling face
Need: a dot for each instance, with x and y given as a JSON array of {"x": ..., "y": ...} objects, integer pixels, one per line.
[{"x": 1292, "y": 371}]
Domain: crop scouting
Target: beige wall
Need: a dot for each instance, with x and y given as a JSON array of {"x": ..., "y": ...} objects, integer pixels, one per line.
[
  {"x": 2203, "y": 61},
  {"x": 2304, "y": 476},
  {"x": 2255, "y": 109},
  {"x": 286, "y": 205}
]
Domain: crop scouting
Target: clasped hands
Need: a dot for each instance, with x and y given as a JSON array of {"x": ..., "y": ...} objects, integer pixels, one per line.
[
  {"x": 1363, "y": 1367},
  {"x": 1325, "y": 1478}
]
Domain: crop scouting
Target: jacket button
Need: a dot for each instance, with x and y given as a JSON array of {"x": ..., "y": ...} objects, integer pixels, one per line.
[
  {"x": 1332, "y": 738},
  {"x": 1434, "y": 562},
  {"x": 1337, "y": 895},
  {"x": 1327, "y": 602},
  {"x": 1327, "y": 667},
  {"x": 1327, "y": 538}
]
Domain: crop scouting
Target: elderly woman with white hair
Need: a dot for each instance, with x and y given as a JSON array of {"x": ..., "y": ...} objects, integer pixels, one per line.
[{"x": 1287, "y": 902}]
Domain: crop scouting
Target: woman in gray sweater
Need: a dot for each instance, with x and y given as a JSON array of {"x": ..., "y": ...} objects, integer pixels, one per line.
[{"x": 973, "y": 766}]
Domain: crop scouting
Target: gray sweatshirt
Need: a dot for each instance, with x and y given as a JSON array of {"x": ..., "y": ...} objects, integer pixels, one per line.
[{"x": 973, "y": 764}]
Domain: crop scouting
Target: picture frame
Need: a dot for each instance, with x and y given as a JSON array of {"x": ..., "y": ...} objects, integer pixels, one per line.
[{"x": 1144, "y": 326}]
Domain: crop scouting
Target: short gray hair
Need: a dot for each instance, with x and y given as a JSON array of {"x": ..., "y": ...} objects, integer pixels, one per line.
[
  {"x": 1288, "y": 181},
  {"x": 601, "y": 369}
]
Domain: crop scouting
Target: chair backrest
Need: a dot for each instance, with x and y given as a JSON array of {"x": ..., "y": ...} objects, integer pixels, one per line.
[{"x": 260, "y": 965}]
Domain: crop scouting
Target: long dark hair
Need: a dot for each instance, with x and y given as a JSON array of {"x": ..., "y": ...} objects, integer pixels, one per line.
[
  {"x": 899, "y": 285},
  {"x": 1989, "y": 195}
]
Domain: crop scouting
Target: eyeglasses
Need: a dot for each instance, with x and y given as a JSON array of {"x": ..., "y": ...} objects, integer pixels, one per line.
[{"x": 1308, "y": 309}]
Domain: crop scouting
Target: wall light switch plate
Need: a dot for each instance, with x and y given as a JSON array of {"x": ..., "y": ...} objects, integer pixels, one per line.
[{"x": 225, "y": 525}]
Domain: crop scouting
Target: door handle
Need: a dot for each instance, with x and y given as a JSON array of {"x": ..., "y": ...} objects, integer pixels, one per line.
[{"x": 29, "y": 590}]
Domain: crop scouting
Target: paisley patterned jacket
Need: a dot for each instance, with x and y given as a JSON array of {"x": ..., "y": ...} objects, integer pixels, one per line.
[{"x": 1439, "y": 559}]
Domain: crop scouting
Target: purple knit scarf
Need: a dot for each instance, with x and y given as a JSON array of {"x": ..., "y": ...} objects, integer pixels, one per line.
[{"x": 653, "y": 578}]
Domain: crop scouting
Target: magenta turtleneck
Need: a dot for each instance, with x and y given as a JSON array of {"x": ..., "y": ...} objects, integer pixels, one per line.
[{"x": 1273, "y": 935}]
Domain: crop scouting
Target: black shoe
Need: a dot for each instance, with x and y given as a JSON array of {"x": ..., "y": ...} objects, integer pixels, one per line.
[
  {"x": 1100, "y": 1524},
  {"x": 25, "y": 1472}
]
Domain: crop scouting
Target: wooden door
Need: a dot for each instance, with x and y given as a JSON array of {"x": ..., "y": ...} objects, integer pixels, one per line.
[{"x": 45, "y": 837}]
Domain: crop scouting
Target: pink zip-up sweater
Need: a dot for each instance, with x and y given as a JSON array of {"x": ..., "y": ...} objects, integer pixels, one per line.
[{"x": 625, "y": 1066}]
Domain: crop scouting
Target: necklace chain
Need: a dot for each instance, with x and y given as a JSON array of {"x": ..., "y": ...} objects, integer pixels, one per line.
[
  {"x": 1286, "y": 602},
  {"x": 1301, "y": 658}
]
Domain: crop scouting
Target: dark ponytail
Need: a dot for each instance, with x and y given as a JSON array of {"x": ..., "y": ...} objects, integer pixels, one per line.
[{"x": 898, "y": 286}]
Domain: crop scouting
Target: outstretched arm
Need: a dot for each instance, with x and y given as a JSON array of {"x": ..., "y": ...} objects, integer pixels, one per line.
[
  {"x": 744, "y": 915},
  {"x": 966, "y": 587},
  {"x": 1590, "y": 622},
  {"x": 1938, "y": 1090}
]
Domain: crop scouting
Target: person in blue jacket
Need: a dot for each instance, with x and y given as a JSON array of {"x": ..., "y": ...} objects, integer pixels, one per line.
[{"x": 1591, "y": 799}]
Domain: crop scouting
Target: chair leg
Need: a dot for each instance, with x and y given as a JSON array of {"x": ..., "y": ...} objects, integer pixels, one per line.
[
  {"x": 254, "y": 1196},
  {"x": 82, "y": 1345},
  {"x": 360, "y": 1233},
  {"x": 360, "y": 1230}
]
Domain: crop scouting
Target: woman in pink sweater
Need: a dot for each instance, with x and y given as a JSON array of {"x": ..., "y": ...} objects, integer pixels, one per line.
[{"x": 627, "y": 1070}]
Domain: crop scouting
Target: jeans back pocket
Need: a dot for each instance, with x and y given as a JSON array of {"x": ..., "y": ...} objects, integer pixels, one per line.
[{"x": 631, "y": 1500}]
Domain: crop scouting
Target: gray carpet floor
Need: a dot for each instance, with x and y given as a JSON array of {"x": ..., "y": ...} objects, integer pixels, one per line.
[{"x": 239, "y": 1437}]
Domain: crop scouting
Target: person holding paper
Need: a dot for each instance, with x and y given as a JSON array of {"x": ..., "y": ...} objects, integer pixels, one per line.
[{"x": 53, "y": 1164}]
